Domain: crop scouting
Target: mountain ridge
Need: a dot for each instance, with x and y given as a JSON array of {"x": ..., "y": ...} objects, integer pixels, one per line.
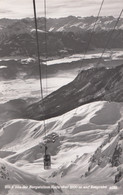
[
  {"x": 64, "y": 35},
  {"x": 87, "y": 87},
  {"x": 105, "y": 21}
]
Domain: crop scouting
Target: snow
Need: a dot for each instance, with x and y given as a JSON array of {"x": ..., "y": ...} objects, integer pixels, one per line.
[
  {"x": 7, "y": 59},
  {"x": 1, "y": 67},
  {"x": 78, "y": 135},
  {"x": 76, "y": 24},
  {"x": 73, "y": 58},
  {"x": 16, "y": 180},
  {"x": 27, "y": 60},
  {"x": 61, "y": 28},
  {"x": 51, "y": 29},
  {"x": 41, "y": 31},
  {"x": 116, "y": 54}
]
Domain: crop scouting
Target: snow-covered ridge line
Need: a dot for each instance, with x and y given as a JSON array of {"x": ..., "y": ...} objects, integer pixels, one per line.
[
  {"x": 78, "y": 137},
  {"x": 78, "y": 92},
  {"x": 70, "y": 23}
]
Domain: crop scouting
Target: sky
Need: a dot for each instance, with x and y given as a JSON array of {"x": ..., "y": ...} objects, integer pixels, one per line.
[{"x": 59, "y": 8}]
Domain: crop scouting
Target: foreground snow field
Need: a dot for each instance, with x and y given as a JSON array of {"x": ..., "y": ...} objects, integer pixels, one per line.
[{"x": 81, "y": 143}]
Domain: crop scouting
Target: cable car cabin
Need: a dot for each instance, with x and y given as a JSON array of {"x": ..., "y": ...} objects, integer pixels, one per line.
[{"x": 47, "y": 161}]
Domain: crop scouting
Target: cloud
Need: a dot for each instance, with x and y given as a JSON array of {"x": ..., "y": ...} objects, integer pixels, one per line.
[
  {"x": 59, "y": 8},
  {"x": 4, "y": 11},
  {"x": 83, "y": 7}
]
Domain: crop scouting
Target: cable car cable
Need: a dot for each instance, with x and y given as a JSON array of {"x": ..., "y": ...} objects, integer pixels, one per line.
[
  {"x": 46, "y": 53},
  {"x": 46, "y": 48},
  {"x": 100, "y": 8},
  {"x": 110, "y": 36},
  {"x": 95, "y": 23},
  {"x": 91, "y": 36},
  {"x": 47, "y": 158},
  {"x": 38, "y": 48},
  {"x": 38, "y": 56},
  {"x": 108, "y": 41}
]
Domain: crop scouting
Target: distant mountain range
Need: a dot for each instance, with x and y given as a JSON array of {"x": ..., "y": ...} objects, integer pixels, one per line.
[
  {"x": 66, "y": 24},
  {"x": 64, "y": 35}
]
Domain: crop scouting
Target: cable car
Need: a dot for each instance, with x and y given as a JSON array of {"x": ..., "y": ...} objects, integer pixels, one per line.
[{"x": 47, "y": 160}]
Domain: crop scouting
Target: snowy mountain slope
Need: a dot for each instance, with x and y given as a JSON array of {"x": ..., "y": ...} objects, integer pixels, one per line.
[
  {"x": 74, "y": 140},
  {"x": 89, "y": 86},
  {"x": 13, "y": 181}
]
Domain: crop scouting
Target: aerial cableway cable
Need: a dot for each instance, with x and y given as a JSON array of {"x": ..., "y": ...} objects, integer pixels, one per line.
[
  {"x": 95, "y": 23},
  {"x": 92, "y": 31},
  {"x": 46, "y": 48},
  {"x": 38, "y": 49},
  {"x": 39, "y": 61},
  {"x": 110, "y": 36},
  {"x": 47, "y": 158},
  {"x": 108, "y": 41},
  {"x": 90, "y": 39}
]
